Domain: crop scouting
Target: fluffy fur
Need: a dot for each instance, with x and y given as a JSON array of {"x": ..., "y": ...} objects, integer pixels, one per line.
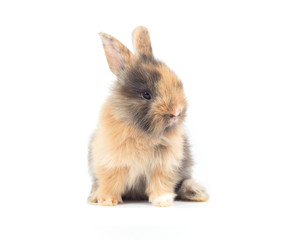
[{"x": 140, "y": 150}]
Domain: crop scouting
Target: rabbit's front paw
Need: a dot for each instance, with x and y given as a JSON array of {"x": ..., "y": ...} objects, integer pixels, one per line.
[
  {"x": 164, "y": 200},
  {"x": 108, "y": 201}
]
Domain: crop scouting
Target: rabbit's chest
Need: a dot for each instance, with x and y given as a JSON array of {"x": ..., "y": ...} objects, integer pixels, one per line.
[
  {"x": 143, "y": 157},
  {"x": 146, "y": 151},
  {"x": 146, "y": 155}
]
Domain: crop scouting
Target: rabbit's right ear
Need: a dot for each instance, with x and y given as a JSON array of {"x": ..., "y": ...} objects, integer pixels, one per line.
[
  {"x": 141, "y": 42},
  {"x": 116, "y": 53}
]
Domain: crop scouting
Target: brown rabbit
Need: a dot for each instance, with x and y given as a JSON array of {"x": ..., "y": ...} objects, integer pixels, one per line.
[{"x": 140, "y": 150}]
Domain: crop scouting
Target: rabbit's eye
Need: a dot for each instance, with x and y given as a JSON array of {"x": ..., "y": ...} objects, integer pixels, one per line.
[{"x": 146, "y": 95}]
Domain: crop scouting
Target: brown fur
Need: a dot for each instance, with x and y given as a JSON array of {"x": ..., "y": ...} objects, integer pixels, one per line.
[{"x": 139, "y": 147}]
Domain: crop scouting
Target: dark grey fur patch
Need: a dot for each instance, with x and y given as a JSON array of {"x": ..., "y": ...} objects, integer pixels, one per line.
[
  {"x": 137, "y": 192},
  {"x": 148, "y": 59},
  {"x": 187, "y": 162},
  {"x": 185, "y": 170},
  {"x": 132, "y": 83},
  {"x": 137, "y": 79}
]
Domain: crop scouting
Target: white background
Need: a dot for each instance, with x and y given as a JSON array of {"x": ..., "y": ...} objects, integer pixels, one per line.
[{"x": 54, "y": 78}]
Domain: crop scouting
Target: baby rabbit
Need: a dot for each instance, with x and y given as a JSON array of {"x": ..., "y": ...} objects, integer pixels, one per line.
[{"x": 139, "y": 150}]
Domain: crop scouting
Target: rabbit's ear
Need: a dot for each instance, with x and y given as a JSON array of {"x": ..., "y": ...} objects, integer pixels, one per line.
[
  {"x": 141, "y": 42},
  {"x": 116, "y": 53}
]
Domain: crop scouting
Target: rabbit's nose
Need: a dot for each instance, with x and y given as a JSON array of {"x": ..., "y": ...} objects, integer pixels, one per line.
[{"x": 176, "y": 112}]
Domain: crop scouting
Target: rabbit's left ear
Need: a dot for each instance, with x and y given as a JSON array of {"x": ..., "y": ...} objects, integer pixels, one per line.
[
  {"x": 118, "y": 55},
  {"x": 141, "y": 42}
]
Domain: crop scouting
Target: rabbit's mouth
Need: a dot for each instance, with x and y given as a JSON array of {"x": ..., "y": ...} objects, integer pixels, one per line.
[{"x": 172, "y": 121}]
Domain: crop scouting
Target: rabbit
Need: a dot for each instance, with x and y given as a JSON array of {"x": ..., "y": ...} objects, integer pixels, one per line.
[{"x": 139, "y": 150}]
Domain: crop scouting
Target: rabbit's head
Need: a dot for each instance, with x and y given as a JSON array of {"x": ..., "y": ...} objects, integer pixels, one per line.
[{"x": 146, "y": 94}]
